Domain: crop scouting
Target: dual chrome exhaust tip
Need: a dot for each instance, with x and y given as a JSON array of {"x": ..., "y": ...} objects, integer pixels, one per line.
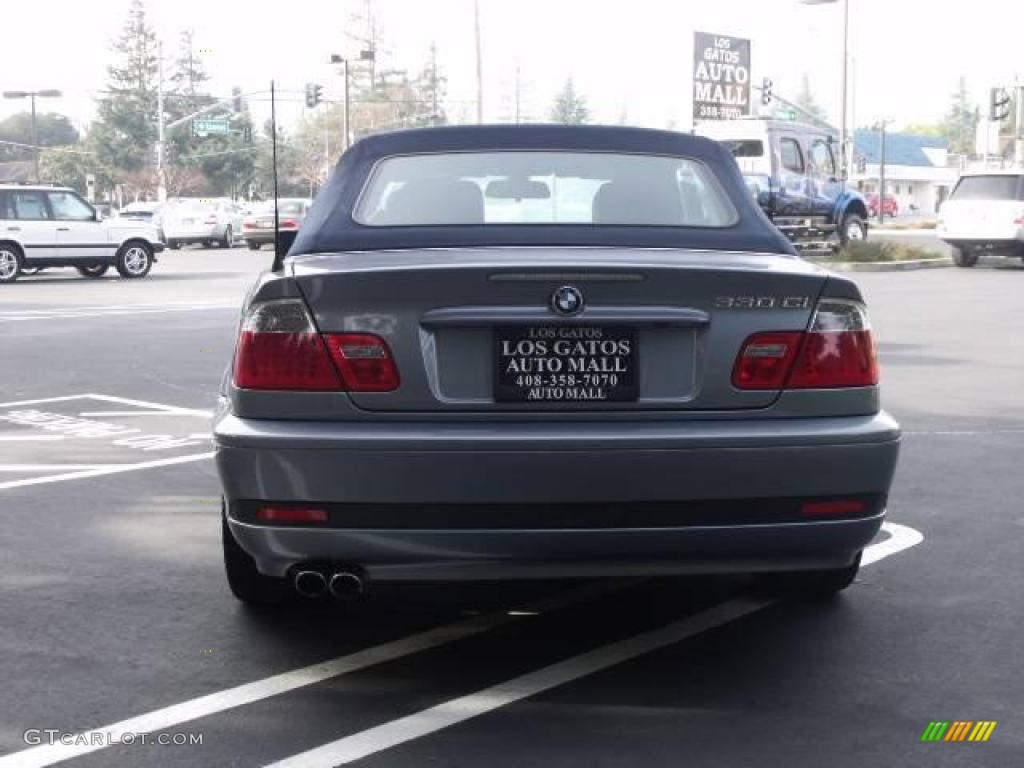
[{"x": 341, "y": 583}]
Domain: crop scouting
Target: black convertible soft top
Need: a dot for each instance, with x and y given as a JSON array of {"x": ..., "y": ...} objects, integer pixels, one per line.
[{"x": 329, "y": 226}]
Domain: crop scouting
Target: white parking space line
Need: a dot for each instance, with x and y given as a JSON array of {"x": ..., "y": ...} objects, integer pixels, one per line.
[
  {"x": 203, "y": 706},
  {"x": 111, "y": 469},
  {"x": 65, "y": 313},
  {"x": 51, "y": 467},
  {"x": 30, "y": 438},
  {"x": 97, "y": 414},
  {"x": 454, "y": 711},
  {"x": 148, "y": 404}
]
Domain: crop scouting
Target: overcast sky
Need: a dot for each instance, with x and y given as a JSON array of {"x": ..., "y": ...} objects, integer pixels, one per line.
[{"x": 626, "y": 57}]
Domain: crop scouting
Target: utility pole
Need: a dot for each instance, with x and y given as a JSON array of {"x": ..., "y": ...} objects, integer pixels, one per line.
[
  {"x": 844, "y": 150},
  {"x": 1018, "y": 146},
  {"x": 161, "y": 150},
  {"x": 347, "y": 114},
  {"x": 881, "y": 175},
  {"x": 479, "y": 64},
  {"x": 433, "y": 84},
  {"x": 343, "y": 60},
  {"x": 517, "y": 93},
  {"x": 35, "y": 139}
]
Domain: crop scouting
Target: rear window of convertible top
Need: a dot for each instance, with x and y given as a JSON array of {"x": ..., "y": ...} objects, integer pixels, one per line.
[{"x": 543, "y": 187}]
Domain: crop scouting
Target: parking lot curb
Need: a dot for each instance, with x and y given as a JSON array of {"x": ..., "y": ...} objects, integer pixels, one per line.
[{"x": 887, "y": 266}]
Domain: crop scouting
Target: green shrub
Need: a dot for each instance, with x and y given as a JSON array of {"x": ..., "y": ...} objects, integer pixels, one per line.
[{"x": 872, "y": 251}]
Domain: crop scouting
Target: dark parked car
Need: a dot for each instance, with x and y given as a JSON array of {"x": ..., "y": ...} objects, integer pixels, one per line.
[{"x": 547, "y": 351}]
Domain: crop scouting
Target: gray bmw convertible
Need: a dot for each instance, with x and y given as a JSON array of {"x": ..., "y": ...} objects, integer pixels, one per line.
[{"x": 503, "y": 352}]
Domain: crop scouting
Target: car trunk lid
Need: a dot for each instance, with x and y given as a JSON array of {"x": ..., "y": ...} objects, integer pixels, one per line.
[{"x": 659, "y": 329}]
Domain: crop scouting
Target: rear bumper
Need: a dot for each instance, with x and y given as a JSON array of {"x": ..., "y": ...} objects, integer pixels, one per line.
[
  {"x": 193, "y": 235},
  {"x": 420, "y": 468},
  {"x": 258, "y": 236}
]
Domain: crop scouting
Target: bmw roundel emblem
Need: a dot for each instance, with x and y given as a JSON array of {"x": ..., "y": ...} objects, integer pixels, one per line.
[{"x": 567, "y": 300}]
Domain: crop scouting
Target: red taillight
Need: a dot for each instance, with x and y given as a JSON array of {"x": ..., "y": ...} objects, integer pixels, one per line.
[
  {"x": 838, "y": 351},
  {"x": 833, "y": 508},
  {"x": 248, "y": 225},
  {"x": 279, "y": 348},
  {"x": 765, "y": 360},
  {"x": 364, "y": 361},
  {"x": 296, "y": 361},
  {"x": 290, "y": 223},
  {"x": 833, "y": 359},
  {"x": 270, "y": 514}
]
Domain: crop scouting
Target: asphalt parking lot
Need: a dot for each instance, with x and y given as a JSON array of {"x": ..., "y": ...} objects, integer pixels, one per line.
[{"x": 116, "y": 616}]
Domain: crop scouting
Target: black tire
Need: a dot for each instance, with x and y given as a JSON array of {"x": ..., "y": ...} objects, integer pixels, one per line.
[
  {"x": 851, "y": 225},
  {"x": 134, "y": 259},
  {"x": 10, "y": 262},
  {"x": 173, "y": 245},
  {"x": 228, "y": 240},
  {"x": 253, "y": 246},
  {"x": 246, "y": 583},
  {"x": 93, "y": 270},
  {"x": 964, "y": 257},
  {"x": 810, "y": 585}
]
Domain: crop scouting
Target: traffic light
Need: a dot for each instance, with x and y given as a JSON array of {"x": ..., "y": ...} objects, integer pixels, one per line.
[
  {"x": 314, "y": 94},
  {"x": 766, "y": 91},
  {"x": 998, "y": 105},
  {"x": 247, "y": 133}
]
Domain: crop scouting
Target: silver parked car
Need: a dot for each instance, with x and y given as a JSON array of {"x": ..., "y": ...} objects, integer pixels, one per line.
[
  {"x": 547, "y": 351},
  {"x": 205, "y": 221}
]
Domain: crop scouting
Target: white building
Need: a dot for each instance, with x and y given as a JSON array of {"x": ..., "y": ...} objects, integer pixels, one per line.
[{"x": 917, "y": 172}]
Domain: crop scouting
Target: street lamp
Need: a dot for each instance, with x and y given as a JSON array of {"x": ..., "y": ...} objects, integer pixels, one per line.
[
  {"x": 844, "y": 154},
  {"x": 337, "y": 58},
  {"x": 48, "y": 93}
]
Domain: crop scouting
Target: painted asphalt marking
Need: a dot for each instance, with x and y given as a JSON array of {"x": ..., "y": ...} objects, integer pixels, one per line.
[
  {"x": 15, "y": 316},
  {"x": 969, "y": 432},
  {"x": 130, "y": 440},
  {"x": 113, "y": 469},
  {"x": 455, "y": 711},
  {"x": 51, "y": 467},
  {"x": 213, "y": 703},
  {"x": 29, "y": 438}
]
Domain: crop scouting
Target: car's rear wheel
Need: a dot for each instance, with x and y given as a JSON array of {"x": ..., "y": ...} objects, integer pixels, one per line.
[
  {"x": 964, "y": 257},
  {"x": 246, "y": 583},
  {"x": 10, "y": 263},
  {"x": 173, "y": 245},
  {"x": 135, "y": 259},
  {"x": 852, "y": 229},
  {"x": 228, "y": 240},
  {"x": 253, "y": 246},
  {"x": 810, "y": 585},
  {"x": 93, "y": 270}
]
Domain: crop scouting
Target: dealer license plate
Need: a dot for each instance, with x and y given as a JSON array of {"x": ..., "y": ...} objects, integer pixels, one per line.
[{"x": 565, "y": 363}]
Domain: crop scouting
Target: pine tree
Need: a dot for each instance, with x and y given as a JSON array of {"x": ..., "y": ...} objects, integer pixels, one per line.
[
  {"x": 569, "y": 107},
  {"x": 805, "y": 99},
  {"x": 961, "y": 122},
  {"x": 125, "y": 128},
  {"x": 189, "y": 76}
]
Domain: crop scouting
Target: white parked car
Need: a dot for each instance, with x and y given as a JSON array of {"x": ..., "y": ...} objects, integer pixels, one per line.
[
  {"x": 205, "y": 221},
  {"x": 43, "y": 227},
  {"x": 984, "y": 214}
]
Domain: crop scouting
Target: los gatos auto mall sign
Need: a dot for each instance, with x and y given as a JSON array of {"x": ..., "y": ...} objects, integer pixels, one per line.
[{"x": 721, "y": 77}]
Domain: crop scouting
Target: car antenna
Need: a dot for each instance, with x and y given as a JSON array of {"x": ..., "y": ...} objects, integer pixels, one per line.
[{"x": 278, "y": 256}]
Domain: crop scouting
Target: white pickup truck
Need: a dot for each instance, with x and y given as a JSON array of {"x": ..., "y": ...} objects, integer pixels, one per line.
[{"x": 984, "y": 214}]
